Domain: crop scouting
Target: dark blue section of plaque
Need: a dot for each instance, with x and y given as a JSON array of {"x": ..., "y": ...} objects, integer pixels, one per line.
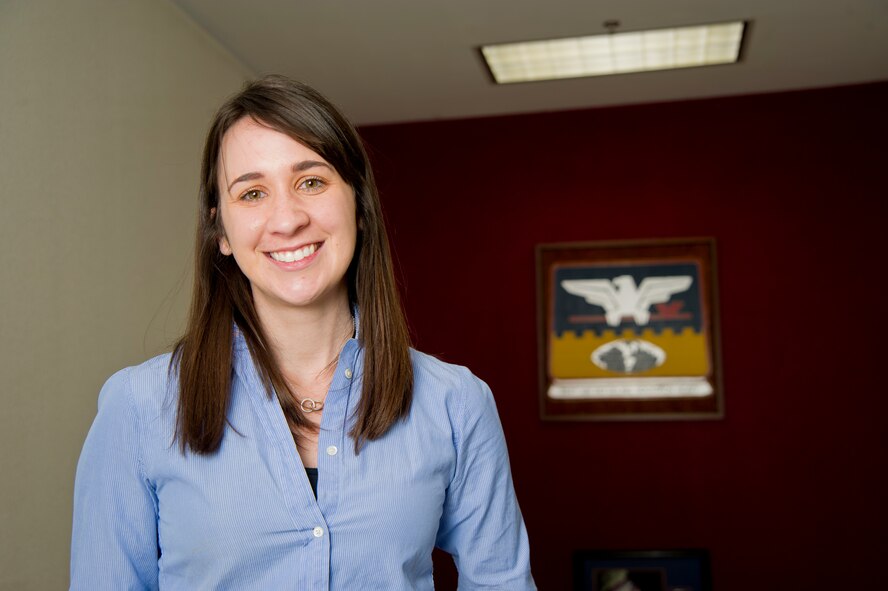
[{"x": 573, "y": 313}]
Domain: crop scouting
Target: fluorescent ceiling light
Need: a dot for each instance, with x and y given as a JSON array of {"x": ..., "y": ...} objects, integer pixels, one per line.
[{"x": 615, "y": 53}]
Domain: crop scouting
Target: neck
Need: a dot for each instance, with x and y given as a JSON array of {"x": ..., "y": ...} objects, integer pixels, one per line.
[{"x": 306, "y": 341}]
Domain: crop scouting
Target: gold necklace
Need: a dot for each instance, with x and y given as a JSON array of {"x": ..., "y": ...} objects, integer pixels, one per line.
[{"x": 309, "y": 405}]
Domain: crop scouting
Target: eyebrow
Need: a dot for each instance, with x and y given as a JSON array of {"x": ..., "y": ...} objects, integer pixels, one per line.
[{"x": 300, "y": 166}]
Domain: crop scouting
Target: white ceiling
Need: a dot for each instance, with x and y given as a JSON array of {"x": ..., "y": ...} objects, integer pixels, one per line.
[{"x": 406, "y": 60}]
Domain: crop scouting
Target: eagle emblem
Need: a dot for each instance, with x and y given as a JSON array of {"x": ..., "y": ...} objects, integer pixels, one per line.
[{"x": 621, "y": 297}]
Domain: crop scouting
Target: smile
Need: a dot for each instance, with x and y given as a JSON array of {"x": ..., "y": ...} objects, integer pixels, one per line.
[{"x": 291, "y": 256}]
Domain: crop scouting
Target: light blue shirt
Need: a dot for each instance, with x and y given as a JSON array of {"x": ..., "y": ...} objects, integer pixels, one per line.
[{"x": 245, "y": 518}]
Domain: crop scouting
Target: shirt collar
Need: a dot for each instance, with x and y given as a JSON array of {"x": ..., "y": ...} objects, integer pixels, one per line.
[{"x": 240, "y": 343}]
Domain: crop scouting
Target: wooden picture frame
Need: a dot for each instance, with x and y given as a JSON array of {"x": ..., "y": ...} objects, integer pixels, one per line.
[
  {"x": 628, "y": 330},
  {"x": 642, "y": 570}
]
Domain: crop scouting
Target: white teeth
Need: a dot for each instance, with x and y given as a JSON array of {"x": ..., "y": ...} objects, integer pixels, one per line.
[{"x": 291, "y": 256}]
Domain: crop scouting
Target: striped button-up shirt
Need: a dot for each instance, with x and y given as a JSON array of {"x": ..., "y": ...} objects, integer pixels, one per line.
[{"x": 147, "y": 516}]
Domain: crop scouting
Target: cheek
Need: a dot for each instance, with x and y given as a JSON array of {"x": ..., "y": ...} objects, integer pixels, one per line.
[
  {"x": 350, "y": 232},
  {"x": 242, "y": 227}
]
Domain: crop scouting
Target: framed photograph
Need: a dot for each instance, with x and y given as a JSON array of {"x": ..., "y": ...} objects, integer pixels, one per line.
[
  {"x": 642, "y": 570},
  {"x": 629, "y": 330}
]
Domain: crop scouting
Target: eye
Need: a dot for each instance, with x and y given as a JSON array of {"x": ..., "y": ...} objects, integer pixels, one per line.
[
  {"x": 252, "y": 195},
  {"x": 312, "y": 184}
]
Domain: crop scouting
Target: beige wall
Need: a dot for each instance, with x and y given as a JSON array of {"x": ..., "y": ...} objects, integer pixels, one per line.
[{"x": 103, "y": 105}]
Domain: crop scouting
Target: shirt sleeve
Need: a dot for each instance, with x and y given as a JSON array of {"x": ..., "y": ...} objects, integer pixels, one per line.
[
  {"x": 481, "y": 525},
  {"x": 114, "y": 539}
]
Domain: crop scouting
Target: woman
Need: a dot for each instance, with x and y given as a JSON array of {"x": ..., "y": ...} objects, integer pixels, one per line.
[{"x": 293, "y": 440}]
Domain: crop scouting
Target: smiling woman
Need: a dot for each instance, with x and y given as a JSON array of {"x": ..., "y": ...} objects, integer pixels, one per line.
[
  {"x": 293, "y": 439},
  {"x": 289, "y": 222}
]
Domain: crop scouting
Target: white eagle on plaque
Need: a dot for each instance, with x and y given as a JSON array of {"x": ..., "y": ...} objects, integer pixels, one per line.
[{"x": 620, "y": 297}]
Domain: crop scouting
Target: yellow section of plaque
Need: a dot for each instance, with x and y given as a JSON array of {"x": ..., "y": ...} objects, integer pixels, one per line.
[{"x": 570, "y": 356}]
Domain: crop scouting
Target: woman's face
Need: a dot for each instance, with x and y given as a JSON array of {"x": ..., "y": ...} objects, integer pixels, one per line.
[{"x": 288, "y": 218}]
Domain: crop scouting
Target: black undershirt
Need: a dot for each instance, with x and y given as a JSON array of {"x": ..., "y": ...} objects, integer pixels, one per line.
[{"x": 313, "y": 479}]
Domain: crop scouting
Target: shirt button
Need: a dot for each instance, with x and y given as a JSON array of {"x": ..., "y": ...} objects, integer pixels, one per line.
[
  {"x": 318, "y": 532},
  {"x": 331, "y": 451},
  {"x": 348, "y": 373}
]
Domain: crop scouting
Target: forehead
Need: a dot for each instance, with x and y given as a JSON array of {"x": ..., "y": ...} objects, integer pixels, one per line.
[{"x": 249, "y": 141}]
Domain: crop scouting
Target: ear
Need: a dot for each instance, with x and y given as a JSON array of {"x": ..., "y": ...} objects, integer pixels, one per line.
[{"x": 224, "y": 247}]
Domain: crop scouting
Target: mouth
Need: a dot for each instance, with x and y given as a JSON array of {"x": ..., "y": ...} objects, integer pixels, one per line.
[{"x": 291, "y": 256}]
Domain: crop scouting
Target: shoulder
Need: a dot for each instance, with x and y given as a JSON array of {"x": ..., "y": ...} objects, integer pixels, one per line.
[
  {"x": 144, "y": 388},
  {"x": 426, "y": 366},
  {"x": 431, "y": 372},
  {"x": 454, "y": 386}
]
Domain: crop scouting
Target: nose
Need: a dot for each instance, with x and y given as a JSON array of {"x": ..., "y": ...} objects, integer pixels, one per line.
[{"x": 287, "y": 214}]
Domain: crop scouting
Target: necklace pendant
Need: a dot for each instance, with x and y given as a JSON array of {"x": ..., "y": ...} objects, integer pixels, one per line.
[{"x": 308, "y": 405}]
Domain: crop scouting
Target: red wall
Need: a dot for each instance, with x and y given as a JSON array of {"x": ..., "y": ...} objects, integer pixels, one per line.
[{"x": 788, "y": 491}]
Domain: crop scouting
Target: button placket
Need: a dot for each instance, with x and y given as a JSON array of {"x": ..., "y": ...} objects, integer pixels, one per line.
[{"x": 333, "y": 428}]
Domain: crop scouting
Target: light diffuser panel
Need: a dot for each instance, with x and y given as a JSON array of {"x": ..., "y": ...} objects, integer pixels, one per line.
[{"x": 615, "y": 53}]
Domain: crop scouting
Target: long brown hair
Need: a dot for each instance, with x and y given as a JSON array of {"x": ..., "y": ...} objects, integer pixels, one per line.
[{"x": 222, "y": 295}]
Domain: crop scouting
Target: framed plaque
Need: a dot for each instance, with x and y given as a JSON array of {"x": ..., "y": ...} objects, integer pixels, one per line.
[
  {"x": 629, "y": 330},
  {"x": 642, "y": 570}
]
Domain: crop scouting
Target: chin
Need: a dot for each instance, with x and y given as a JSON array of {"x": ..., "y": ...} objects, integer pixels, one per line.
[{"x": 301, "y": 299}]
